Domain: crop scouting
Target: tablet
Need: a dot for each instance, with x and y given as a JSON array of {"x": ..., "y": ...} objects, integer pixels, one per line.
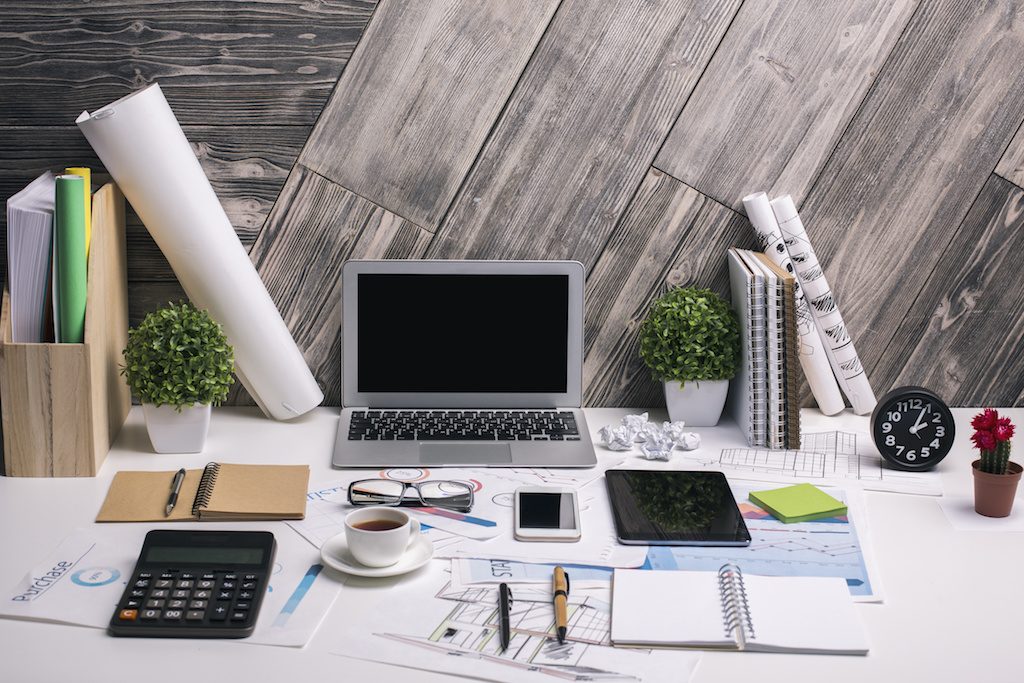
[{"x": 656, "y": 507}]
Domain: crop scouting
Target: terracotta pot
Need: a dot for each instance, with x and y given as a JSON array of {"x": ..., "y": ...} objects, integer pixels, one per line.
[{"x": 994, "y": 493}]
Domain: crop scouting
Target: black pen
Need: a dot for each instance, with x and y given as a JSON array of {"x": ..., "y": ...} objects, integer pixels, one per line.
[
  {"x": 179, "y": 477},
  {"x": 504, "y": 614}
]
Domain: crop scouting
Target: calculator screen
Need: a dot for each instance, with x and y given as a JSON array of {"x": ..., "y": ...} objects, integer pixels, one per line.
[{"x": 165, "y": 554}]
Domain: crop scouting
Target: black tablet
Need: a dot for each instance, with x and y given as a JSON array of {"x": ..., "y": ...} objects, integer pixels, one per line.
[{"x": 657, "y": 507}]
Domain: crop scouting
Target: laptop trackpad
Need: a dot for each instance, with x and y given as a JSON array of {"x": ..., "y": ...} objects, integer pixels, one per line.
[{"x": 465, "y": 453}]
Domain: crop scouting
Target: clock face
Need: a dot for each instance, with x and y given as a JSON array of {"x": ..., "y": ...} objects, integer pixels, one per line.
[{"x": 912, "y": 428}]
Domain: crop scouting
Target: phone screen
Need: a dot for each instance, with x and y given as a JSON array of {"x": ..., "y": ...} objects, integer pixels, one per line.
[{"x": 546, "y": 511}]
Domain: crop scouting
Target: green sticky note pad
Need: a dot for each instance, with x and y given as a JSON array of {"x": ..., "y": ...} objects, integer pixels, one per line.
[{"x": 799, "y": 503}]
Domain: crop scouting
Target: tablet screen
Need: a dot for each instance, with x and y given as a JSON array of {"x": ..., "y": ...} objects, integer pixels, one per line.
[{"x": 653, "y": 507}]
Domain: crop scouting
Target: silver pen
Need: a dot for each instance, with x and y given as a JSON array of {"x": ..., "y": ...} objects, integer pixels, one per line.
[{"x": 175, "y": 489}]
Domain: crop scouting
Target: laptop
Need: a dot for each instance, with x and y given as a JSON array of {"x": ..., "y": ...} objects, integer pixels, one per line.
[{"x": 462, "y": 363}]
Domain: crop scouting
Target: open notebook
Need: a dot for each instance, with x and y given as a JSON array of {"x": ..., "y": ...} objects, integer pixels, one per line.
[
  {"x": 729, "y": 611},
  {"x": 220, "y": 491}
]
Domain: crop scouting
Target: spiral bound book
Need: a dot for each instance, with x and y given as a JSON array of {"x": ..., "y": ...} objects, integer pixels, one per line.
[
  {"x": 748, "y": 393},
  {"x": 218, "y": 492},
  {"x": 728, "y": 610}
]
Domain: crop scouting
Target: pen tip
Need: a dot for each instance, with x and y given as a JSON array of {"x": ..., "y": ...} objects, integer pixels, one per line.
[{"x": 167, "y": 511}]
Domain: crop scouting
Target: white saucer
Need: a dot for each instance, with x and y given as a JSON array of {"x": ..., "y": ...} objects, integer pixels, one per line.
[{"x": 336, "y": 555}]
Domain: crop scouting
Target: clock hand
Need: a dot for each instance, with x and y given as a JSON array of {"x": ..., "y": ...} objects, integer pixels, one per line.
[{"x": 918, "y": 425}]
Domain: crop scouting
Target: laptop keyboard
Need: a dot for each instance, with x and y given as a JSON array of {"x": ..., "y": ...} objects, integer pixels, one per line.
[{"x": 462, "y": 425}]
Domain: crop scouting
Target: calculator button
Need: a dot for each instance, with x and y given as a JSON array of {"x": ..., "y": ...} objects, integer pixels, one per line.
[
  {"x": 128, "y": 615},
  {"x": 138, "y": 593},
  {"x": 177, "y": 604},
  {"x": 145, "y": 575},
  {"x": 181, "y": 593},
  {"x": 167, "y": 575},
  {"x": 155, "y": 593},
  {"x": 225, "y": 595},
  {"x": 205, "y": 583},
  {"x": 132, "y": 604},
  {"x": 172, "y": 615},
  {"x": 197, "y": 604},
  {"x": 194, "y": 615},
  {"x": 149, "y": 614},
  {"x": 250, "y": 577},
  {"x": 142, "y": 583},
  {"x": 163, "y": 583},
  {"x": 188, "y": 576},
  {"x": 184, "y": 583},
  {"x": 209, "y": 575},
  {"x": 243, "y": 605},
  {"x": 245, "y": 595},
  {"x": 220, "y": 612},
  {"x": 228, "y": 585},
  {"x": 239, "y": 615},
  {"x": 154, "y": 604},
  {"x": 249, "y": 585},
  {"x": 231, "y": 577}
]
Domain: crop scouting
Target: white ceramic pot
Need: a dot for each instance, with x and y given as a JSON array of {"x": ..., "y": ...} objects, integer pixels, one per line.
[
  {"x": 174, "y": 432},
  {"x": 698, "y": 404}
]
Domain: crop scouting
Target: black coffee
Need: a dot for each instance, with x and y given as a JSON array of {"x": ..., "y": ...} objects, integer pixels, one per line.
[{"x": 378, "y": 525}]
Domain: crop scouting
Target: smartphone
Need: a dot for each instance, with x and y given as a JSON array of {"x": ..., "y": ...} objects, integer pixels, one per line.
[{"x": 547, "y": 513}]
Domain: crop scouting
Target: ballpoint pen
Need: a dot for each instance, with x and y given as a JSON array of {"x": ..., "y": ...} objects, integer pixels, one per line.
[
  {"x": 179, "y": 477},
  {"x": 560, "y": 598},
  {"x": 504, "y": 614}
]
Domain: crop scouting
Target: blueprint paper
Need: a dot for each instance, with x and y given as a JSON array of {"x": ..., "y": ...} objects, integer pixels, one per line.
[
  {"x": 81, "y": 581},
  {"x": 466, "y": 572},
  {"x": 144, "y": 149}
]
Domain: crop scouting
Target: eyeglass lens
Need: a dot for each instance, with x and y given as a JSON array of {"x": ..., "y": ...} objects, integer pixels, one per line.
[{"x": 389, "y": 492}]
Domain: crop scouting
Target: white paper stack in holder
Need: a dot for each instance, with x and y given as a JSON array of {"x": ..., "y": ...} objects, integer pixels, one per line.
[{"x": 139, "y": 141}]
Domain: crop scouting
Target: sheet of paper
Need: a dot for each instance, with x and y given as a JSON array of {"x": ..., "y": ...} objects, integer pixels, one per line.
[
  {"x": 841, "y": 458},
  {"x": 81, "y": 581},
  {"x": 471, "y": 571},
  {"x": 824, "y": 547},
  {"x": 959, "y": 510},
  {"x": 455, "y": 631}
]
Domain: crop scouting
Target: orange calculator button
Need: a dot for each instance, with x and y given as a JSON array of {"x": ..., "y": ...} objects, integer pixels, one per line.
[{"x": 128, "y": 615}]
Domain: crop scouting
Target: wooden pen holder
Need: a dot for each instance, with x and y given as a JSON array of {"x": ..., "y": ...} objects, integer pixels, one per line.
[{"x": 63, "y": 404}]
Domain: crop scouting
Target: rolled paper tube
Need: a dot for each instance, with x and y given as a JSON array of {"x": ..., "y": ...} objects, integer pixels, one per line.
[
  {"x": 813, "y": 356},
  {"x": 139, "y": 141}
]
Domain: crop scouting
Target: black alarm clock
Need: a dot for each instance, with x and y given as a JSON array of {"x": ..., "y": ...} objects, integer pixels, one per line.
[{"x": 912, "y": 428}]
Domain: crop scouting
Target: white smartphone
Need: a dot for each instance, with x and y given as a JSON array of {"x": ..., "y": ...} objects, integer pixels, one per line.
[{"x": 547, "y": 513}]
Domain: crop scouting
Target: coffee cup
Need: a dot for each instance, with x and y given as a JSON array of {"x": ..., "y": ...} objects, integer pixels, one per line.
[{"x": 379, "y": 536}]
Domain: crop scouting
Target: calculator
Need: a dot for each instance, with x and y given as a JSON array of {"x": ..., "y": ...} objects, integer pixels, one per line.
[{"x": 196, "y": 584}]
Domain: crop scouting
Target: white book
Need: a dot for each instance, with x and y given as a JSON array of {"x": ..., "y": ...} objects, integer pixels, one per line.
[
  {"x": 775, "y": 333},
  {"x": 728, "y": 610},
  {"x": 748, "y": 397},
  {"x": 29, "y": 240}
]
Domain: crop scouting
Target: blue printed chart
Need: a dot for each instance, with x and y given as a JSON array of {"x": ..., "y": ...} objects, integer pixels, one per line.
[{"x": 826, "y": 547}]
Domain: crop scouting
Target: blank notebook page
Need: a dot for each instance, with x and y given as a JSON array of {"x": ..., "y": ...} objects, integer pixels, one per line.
[{"x": 667, "y": 608}]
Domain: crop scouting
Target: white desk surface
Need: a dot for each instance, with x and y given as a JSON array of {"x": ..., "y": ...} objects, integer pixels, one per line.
[{"x": 953, "y": 599}]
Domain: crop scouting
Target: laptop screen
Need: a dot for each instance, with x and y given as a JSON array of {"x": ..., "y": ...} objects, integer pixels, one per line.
[{"x": 466, "y": 333}]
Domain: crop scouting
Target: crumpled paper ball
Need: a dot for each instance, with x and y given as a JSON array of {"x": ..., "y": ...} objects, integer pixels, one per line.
[
  {"x": 617, "y": 438},
  {"x": 688, "y": 441},
  {"x": 636, "y": 424},
  {"x": 658, "y": 446}
]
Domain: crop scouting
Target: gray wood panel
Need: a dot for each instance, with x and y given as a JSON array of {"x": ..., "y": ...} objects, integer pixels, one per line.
[
  {"x": 964, "y": 336},
  {"x": 582, "y": 128},
  {"x": 247, "y": 167},
  {"x": 268, "y": 62},
  {"x": 315, "y": 227},
  {"x": 778, "y": 94},
  {"x": 671, "y": 236},
  {"x": 1011, "y": 166},
  {"x": 429, "y": 79},
  {"x": 914, "y": 159}
]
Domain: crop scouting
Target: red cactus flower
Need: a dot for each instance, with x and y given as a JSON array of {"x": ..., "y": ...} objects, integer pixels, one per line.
[
  {"x": 984, "y": 440},
  {"x": 1003, "y": 430},
  {"x": 985, "y": 420}
]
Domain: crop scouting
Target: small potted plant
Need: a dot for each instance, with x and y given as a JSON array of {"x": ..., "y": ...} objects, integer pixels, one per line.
[
  {"x": 995, "y": 476},
  {"x": 178, "y": 363},
  {"x": 690, "y": 341}
]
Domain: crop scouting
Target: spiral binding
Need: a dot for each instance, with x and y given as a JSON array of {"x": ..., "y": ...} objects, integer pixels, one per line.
[
  {"x": 735, "y": 608},
  {"x": 205, "y": 490}
]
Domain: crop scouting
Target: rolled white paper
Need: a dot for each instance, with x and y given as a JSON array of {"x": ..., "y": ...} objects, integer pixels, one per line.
[
  {"x": 139, "y": 141},
  {"x": 813, "y": 356},
  {"x": 846, "y": 364}
]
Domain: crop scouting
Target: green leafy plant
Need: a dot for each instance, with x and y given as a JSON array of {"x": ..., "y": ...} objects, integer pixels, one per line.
[
  {"x": 179, "y": 356},
  {"x": 690, "y": 334}
]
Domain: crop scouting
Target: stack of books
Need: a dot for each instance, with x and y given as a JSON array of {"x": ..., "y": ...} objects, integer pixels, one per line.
[
  {"x": 765, "y": 395},
  {"x": 48, "y": 232}
]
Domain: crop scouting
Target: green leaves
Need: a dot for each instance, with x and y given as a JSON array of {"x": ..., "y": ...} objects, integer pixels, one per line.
[
  {"x": 690, "y": 334},
  {"x": 178, "y": 355}
]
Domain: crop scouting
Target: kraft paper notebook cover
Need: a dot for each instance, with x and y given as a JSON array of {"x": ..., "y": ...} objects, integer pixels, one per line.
[
  {"x": 727, "y": 610},
  {"x": 219, "y": 492}
]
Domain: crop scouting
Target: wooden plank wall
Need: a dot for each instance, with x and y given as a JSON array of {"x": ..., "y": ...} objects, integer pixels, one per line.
[{"x": 623, "y": 134}]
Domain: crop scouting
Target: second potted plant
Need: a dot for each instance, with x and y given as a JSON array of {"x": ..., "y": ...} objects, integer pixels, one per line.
[
  {"x": 178, "y": 363},
  {"x": 995, "y": 476},
  {"x": 690, "y": 340}
]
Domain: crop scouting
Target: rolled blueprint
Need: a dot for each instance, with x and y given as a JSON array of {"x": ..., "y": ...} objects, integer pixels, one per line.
[
  {"x": 813, "y": 358},
  {"x": 841, "y": 353},
  {"x": 144, "y": 149}
]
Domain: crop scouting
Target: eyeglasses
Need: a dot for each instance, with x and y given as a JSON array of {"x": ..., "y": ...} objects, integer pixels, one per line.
[{"x": 454, "y": 495}]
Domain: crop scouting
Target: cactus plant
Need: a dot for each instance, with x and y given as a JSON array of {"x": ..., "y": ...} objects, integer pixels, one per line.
[{"x": 992, "y": 437}]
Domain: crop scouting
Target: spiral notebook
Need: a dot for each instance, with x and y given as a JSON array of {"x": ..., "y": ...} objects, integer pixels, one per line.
[
  {"x": 729, "y": 611},
  {"x": 218, "y": 492},
  {"x": 748, "y": 393}
]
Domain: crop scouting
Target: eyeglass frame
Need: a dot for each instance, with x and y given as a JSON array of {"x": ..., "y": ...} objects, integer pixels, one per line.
[{"x": 415, "y": 485}]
